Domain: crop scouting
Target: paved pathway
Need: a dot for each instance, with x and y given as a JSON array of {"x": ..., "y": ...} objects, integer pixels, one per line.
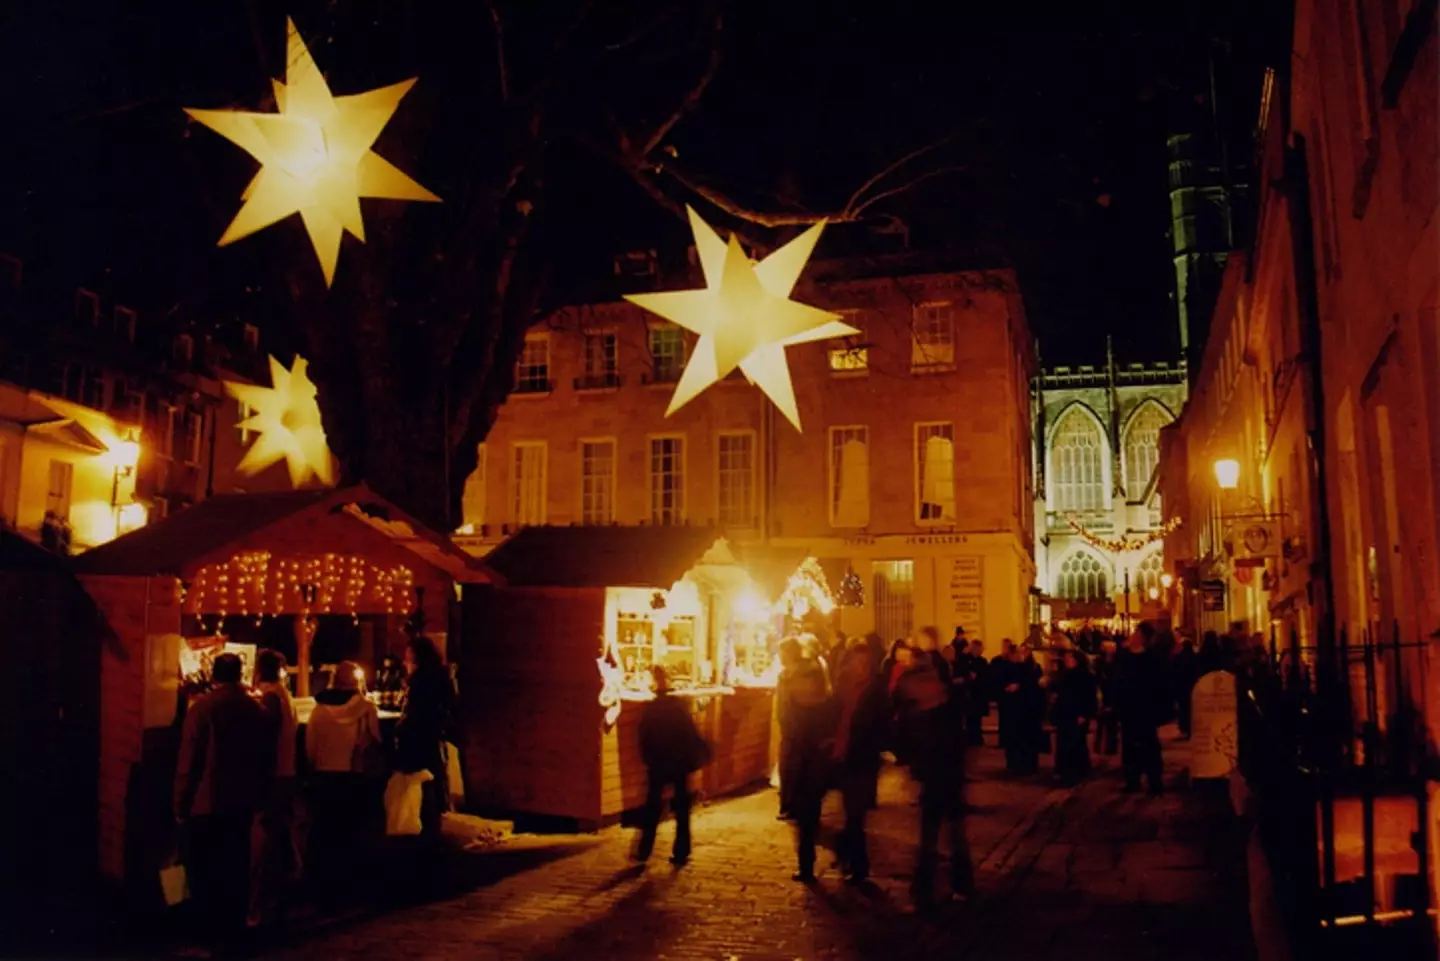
[{"x": 1063, "y": 875}]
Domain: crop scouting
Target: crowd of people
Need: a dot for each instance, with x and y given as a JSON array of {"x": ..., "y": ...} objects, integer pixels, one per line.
[
  {"x": 841, "y": 711},
  {"x": 261, "y": 801}
]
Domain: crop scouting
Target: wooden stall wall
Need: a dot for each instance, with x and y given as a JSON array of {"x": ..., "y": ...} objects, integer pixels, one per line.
[
  {"x": 135, "y": 609},
  {"x": 622, "y": 773},
  {"x": 530, "y": 702},
  {"x": 741, "y": 738},
  {"x": 50, "y": 645}
]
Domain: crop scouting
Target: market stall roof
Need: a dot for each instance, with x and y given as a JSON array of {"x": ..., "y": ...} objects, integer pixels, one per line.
[
  {"x": 772, "y": 566},
  {"x": 207, "y": 530},
  {"x": 605, "y": 556}
]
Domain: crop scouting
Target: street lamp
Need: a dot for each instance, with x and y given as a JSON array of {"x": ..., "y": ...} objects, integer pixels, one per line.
[
  {"x": 1166, "y": 580},
  {"x": 1227, "y": 473},
  {"x": 1154, "y": 593}
]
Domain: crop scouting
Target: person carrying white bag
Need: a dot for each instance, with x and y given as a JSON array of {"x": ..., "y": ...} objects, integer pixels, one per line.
[{"x": 404, "y": 797}]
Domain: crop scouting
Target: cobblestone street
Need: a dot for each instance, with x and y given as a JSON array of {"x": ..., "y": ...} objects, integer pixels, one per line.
[{"x": 1068, "y": 874}]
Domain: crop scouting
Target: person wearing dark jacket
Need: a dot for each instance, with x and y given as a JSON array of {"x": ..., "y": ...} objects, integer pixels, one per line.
[
  {"x": 1022, "y": 710},
  {"x": 222, "y": 774},
  {"x": 1139, "y": 689},
  {"x": 1075, "y": 706},
  {"x": 1183, "y": 670},
  {"x": 863, "y": 707},
  {"x": 672, "y": 748},
  {"x": 978, "y": 705},
  {"x": 791, "y": 658},
  {"x": 812, "y": 725},
  {"x": 1002, "y": 665},
  {"x": 420, "y": 732},
  {"x": 936, "y": 755}
]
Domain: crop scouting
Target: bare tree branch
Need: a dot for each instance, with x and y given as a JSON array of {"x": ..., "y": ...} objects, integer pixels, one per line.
[
  {"x": 501, "y": 63},
  {"x": 907, "y": 185},
  {"x": 912, "y": 155},
  {"x": 692, "y": 98}
]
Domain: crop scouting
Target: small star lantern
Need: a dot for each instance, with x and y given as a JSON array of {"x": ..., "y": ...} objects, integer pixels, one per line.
[
  {"x": 744, "y": 316},
  {"x": 315, "y": 156},
  {"x": 287, "y": 419}
]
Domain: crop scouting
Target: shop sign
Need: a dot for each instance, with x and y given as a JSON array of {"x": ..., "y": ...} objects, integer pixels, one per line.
[
  {"x": 1254, "y": 538},
  {"x": 938, "y": 539},
  {"x": 967, "y": 591},
  {"x": 1213, "y": 595}
]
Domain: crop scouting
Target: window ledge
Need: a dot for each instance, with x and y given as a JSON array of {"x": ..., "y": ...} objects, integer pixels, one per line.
[
  {"x": 850, "y": 374},
  {"x": 530, "y": 393},
  {"x": 597, "y": 390},
  {"x": 941, "y": 368}
]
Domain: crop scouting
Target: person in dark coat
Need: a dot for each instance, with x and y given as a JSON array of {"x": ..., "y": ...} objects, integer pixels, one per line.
[
  {"x": 812, "y": 726},
  {"x": 1022, "y": 707},
  {"x": 420, "y": 732},
  {"x": 1107, "y": 725},
  {"x": 672, "y": 748},
  {"x": 1075, "y": 706},
  {"x": 222, "y": 775},
  {"x": 936, "y": 756},
  {"x": 1002, "y": 665},
  {"x": 863, "y": 709},
  {"x": 1183, "y": 670},
  {"x": 977, "y": 708},
  {"x": 791, "y": 657},
  {"x": 1139, "y": 691}
]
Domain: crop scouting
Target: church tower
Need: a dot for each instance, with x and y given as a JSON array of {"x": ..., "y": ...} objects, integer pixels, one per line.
[{"x": 1202, "y": 230}]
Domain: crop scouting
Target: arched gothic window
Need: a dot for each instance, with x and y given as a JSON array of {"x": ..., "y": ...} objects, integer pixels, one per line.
[
  {"x": 1083, "y": 578},
  {"x": 1147, "y": 574},
  {"x": 1142, "y": 447},
  {"x": 1077, "y": 463}
]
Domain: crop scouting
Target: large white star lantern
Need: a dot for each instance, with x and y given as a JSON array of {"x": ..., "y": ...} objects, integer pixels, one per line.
[
  {"x": 744, "y": 316},
  {"x": 286, "y": 420},
  {"x": 315, "y": 156}
]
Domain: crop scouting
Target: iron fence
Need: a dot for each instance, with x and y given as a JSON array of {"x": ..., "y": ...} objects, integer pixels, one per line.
[{"x": 1334, "y": 748}]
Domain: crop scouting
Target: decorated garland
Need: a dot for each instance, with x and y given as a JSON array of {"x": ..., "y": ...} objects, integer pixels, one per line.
[{"x": 1119, "y": 545}]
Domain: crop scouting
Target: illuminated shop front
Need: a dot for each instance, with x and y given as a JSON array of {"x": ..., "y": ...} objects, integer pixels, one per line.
[{"x": 561, "y": 661}]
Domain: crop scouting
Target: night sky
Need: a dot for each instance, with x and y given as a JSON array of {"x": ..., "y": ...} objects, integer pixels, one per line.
[{"x": 1058, "y": 126}]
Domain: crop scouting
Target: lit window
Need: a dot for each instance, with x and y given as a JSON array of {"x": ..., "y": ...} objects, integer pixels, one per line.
[
  {"x": 597, "y": 482},
  {"x": 737, "y": 480},
  {"x": 532, "y": 370},
  {"x": 667, "y": 480},
  {"x": 528, "y": 488},
  {"x": 1077, "y": 453},
  {"x": 602, "y": 367},
  {"x": 667, "y": 353},
  {"x": 472, "y": 499},
  {"x": 894, "y": 597},
  {"x": 849, "y": 477},
  {"x": 1083, "y": 578},
  {"x": 935, "y": 472},
  {"x": 1147, "y": 574},
  {"x": 933, "y": 341},
  {"x": 1142, "y": 446},
  {"x": 57, "y": 494},
  {"x": 850, "y": 354}
]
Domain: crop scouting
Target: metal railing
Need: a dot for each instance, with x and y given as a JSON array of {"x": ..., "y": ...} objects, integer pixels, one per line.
[{"x": 1331, "y": 738}]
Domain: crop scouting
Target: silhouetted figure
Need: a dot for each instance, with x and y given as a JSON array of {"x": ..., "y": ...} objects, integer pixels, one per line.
[
  {"x": 791, "y": 657},
  {"x": 1139, "y": 691},
  {"x": 672, "y": 748},
  {"x": 420, "y": 732},
  {"x": 812, "y": 725},
  {"x": 1022, "y": 713},
  {"x": 221, "y": 774},
  {"x": 863, "y": 709},
  {"x": 1184, "y": 672},
  {"x": 936, "y": 755},
  {"x": 1075, "y": 706}
]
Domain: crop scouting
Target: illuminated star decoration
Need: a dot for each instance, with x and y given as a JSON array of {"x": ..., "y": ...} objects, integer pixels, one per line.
[
  {"x": 286, "y": 418},
  {"x": 744, "y": 316},
  {"x": 315, "y": 156}
]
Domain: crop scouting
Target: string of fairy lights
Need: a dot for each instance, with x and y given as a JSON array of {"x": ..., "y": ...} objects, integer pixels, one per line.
[
  {"x": 1120, "y": 545},
  {"x": 255, "y": 584}
]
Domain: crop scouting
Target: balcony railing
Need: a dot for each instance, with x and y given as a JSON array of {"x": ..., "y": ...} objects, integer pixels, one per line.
[
  {"x": 662, "y": 373},
  {"x": 610, "y": 380}
]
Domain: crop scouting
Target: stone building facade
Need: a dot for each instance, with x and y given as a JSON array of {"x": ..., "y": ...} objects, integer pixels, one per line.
[
  {"x": 913, "y": 467},
  {"x": 1097, "y": 432}
]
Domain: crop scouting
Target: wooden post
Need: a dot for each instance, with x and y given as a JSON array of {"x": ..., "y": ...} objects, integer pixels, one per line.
[{"x": 304, "y": 633}]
